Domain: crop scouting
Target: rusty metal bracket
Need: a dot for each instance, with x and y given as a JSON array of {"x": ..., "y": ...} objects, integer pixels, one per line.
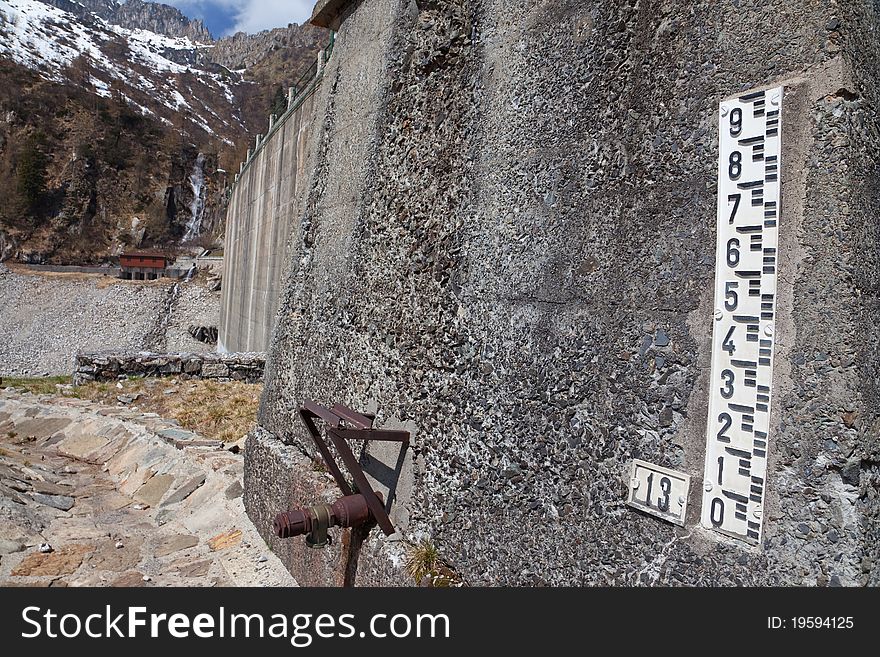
[{"x": 344, "y": 424}]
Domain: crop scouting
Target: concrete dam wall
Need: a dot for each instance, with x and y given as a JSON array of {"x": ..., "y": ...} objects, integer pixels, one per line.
[
  {"x": 505, "y": 243},
  {"x": 263, "y": 210}
]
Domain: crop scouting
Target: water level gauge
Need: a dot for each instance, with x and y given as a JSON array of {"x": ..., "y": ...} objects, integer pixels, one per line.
[{"x": 745, "y": 306}]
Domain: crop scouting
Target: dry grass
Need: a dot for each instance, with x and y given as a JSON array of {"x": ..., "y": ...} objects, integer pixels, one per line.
[
  {"x": 219, "y": 411},
  {"x": 424, "y": 565},
  {"x": 42, "y": 386}
]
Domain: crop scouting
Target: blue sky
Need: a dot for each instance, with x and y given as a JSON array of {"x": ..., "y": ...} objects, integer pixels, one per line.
[{"x": 229, "y": 16}]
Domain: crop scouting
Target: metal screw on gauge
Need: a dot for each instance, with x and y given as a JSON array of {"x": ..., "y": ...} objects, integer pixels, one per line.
[
  {"x": 768, "y": 330},
  {"x": 707, "y": 486},
  {"x": 718, "y": 315}
]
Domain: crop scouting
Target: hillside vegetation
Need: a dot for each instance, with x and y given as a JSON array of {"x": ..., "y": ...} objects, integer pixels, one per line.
[{"x": 112, "y": 137}]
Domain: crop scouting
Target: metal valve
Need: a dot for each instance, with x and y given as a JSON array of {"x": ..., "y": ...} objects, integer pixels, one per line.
[
  {"x": 364, "y": 509},
  {"x": 349, "y": 511}
]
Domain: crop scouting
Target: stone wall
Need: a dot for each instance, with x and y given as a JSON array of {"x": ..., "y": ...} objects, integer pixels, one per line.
[
  {"x": 508, "y": 247},
  {"x": 110, "y": 366}
]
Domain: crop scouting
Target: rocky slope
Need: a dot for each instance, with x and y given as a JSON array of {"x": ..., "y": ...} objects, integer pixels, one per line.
[
  {"x": 47, "y": 319},
  {"x": 119, "y": 120}
]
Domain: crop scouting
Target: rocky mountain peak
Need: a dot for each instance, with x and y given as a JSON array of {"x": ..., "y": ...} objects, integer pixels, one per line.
[
  {"x": 244, "y": 50},
  {"x": 159, "y": 18},
  {"x": 139, "y": 15}
]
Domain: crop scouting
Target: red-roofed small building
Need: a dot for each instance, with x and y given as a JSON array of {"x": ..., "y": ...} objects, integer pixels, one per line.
[{"x": 143, "y": 266}]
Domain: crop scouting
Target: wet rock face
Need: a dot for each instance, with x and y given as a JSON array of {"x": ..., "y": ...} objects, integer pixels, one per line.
[{"x": 523, "y": 269}]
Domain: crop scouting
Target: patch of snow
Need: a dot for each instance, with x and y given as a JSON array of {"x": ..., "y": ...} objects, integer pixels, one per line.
[
  {"x": 101, "y": 87},
  {"x": 47, "y": 39}
]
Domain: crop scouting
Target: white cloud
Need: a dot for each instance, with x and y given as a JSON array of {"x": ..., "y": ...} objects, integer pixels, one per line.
[
  {"x": 257, "y": 15},
  {"x": 252, "y": 15}
]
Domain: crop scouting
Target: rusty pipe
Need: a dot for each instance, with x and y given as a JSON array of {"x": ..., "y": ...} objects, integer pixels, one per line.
[{"x": 349, "y": 511}]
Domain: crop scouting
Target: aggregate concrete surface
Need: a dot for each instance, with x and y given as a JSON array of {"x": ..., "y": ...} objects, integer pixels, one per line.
[
  {"x": 121, "y": 498},
  {"x": 508, "y": 242}
]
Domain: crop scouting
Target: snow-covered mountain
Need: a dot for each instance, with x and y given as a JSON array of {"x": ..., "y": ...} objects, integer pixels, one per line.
[
  {"x": 161, "y": 75},
  {"x": 119, "y": 120}
]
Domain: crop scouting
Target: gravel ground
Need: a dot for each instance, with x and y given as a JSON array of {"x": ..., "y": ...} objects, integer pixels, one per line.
[
  {"x": 45, "y": 319},
  {"x": 196, "y": 306}
]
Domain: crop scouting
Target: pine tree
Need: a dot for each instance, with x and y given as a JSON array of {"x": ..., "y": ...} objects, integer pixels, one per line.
[
  {"x": 279, "y": 102},
  {"x": 31, "y": 171}
]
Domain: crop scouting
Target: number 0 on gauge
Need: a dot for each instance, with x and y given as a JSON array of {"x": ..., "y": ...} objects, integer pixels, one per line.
[{"x": 659, "y": 491}]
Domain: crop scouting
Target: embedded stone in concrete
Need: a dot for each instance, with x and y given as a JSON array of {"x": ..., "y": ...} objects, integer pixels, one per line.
[
  {"x": 225, "y": 540},
  {"x": 12, "y": 495},
  {"x": 42, "y": 428},
  {"x": 61, "y": 502},
  {"x": 81, "y": 446},
  {"x": 63, "y": 561},
  {"x": 197, "y": 569},
  {"x": 52, "y": 489},
  {"x": 129, "y": 580},
  {"x": 177, "y": 436},
  {"x": 235, "y": 490},
  {"x": 109, "y": 557},
  {"x": 154, "y": 489}
]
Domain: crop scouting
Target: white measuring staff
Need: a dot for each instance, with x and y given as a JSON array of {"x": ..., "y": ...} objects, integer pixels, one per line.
[{"x": 735, "y": 480}]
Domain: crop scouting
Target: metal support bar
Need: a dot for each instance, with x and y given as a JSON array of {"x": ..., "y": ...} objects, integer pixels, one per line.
[
  {"x": 359, "y": 420},
  {"x": 388, "y": 435},
  {"x": 360, "y": 479},
  {"x": 307, "y": 418},
  {"x": 345, "y": 424}
]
